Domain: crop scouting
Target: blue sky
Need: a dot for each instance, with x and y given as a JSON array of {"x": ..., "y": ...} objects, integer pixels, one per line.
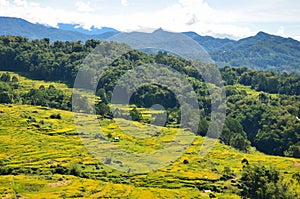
[{"x": 220, "y": 18}]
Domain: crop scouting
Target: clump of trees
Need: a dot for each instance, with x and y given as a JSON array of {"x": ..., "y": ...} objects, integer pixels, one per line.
[
  {"x": 50, "y": 97},
  {"x": 7, "y": 86},
  {"x": 270, "y": 82},
  {"x": 258, "y": 181}
]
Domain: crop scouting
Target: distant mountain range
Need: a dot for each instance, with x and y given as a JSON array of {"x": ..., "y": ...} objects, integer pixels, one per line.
[
  {"x": 262, "y": 51},
  {"x": 93, "y": 30},
  {"x": 21, "y": 27}
]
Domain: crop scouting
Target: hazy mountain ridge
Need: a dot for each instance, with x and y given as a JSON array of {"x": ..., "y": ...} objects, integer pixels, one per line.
[
  {"x": 21, "y": 27},
  {"x": 262, "y": 51},
  {"x": 92, "y": 31}
]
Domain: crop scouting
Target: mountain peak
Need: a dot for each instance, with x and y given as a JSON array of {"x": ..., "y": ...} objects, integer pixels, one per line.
[
  {"x": 261, "y": 33},
  {"x": 158, "y": 30}
]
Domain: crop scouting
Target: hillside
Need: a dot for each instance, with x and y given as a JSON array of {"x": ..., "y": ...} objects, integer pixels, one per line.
[
  {"x": 260, "y": 52},
  {"x": 48, "y": 151},
  {"x": 36, "y": 151},
  {"x": 267, "y": 120}
]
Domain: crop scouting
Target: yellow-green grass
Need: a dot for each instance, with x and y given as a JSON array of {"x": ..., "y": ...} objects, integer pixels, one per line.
[
  {"x": 29, "y": 138},
  {"x": 251, "y": 91},
  {"x": 147, "y": 113},
  {"x": 25, "y": 84}
]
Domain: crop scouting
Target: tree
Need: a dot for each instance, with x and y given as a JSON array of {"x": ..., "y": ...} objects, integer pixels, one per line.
[
  {"x": 103, "y": 109},
  {"x": 102, "y": 94},
  {"x": 293, "y": 151},
  {"x": 6, "y": 94},
  {"x": 239, "y": 142},
  {"x": 263, "y": 98},
  {"x": 136, "y": 115},
  {"x": 5, "y": 77},
  {"x": 203, "y": 126},
  {"x": 15, "y": 79},
  {"x": 75, "y": 170}
]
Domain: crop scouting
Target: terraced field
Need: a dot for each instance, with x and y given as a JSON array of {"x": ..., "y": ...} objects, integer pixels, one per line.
[
  {"x": 46, "y": 157},
  {"x": 34, "y": 146}
]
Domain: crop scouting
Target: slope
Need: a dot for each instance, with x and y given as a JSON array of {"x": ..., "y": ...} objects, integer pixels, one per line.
[
  {"x": 44, "y": 157},
  {"x": 34, "y": 150}
]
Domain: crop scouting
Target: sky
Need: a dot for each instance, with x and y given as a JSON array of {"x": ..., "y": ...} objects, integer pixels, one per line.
[{"x": 233, "y": 19}]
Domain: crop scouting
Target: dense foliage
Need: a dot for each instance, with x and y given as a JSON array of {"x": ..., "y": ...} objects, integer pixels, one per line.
[
  {"x": 268, "y": 121},
  {"x": 261, "y": 182},
  {"x": 270, "y": 82}
]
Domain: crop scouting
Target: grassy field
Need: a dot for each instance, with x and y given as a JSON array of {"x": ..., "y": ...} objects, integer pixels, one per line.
[
  {"x": 31, "y": 143},
  {"x": 250, "y": 91},
  {"x": 36, "y": 149}
]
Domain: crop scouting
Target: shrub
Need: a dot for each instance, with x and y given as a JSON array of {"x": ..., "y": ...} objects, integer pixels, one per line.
[
  {"x": 55, "y": 116},
  {"x": 75, "y": 170},
  {"x": 136, "y": 115}
]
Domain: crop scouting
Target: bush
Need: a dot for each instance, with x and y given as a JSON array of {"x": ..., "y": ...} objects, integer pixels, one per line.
[
  {"x": 60, "y": 170},
  {"x": 15, "y": 79},
  {"x": 135, "y": 115},
  {"x": 55, "y": 116},
  {"x": 293, "y": 151},
  {"x": 75, "y": 170},
  {"x": 5, "y": 77}
]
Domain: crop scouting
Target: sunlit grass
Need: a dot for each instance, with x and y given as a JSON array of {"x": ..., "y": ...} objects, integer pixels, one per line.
[
  {"x": 26, "y": 84},
  {"x": 24, "y": 144}
]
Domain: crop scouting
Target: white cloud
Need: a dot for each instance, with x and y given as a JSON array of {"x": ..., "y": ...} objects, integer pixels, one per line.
[
  {"x": 297, "y": 37},
  {"x": 21, "y": 3},
  {"x": 83, "y": 6},
  {"x": 4, "y": 3},
  {"x": 184, "y": 15},
  {"x": 124, "y": 2},
  {"x": 281, "y": 31},
  {"x": 36, "y": 13}
]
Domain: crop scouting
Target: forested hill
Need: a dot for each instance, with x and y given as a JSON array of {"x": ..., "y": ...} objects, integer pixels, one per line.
[
  {"x": 261, "y": 52},
  {"x": 263, "y": 108}
]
